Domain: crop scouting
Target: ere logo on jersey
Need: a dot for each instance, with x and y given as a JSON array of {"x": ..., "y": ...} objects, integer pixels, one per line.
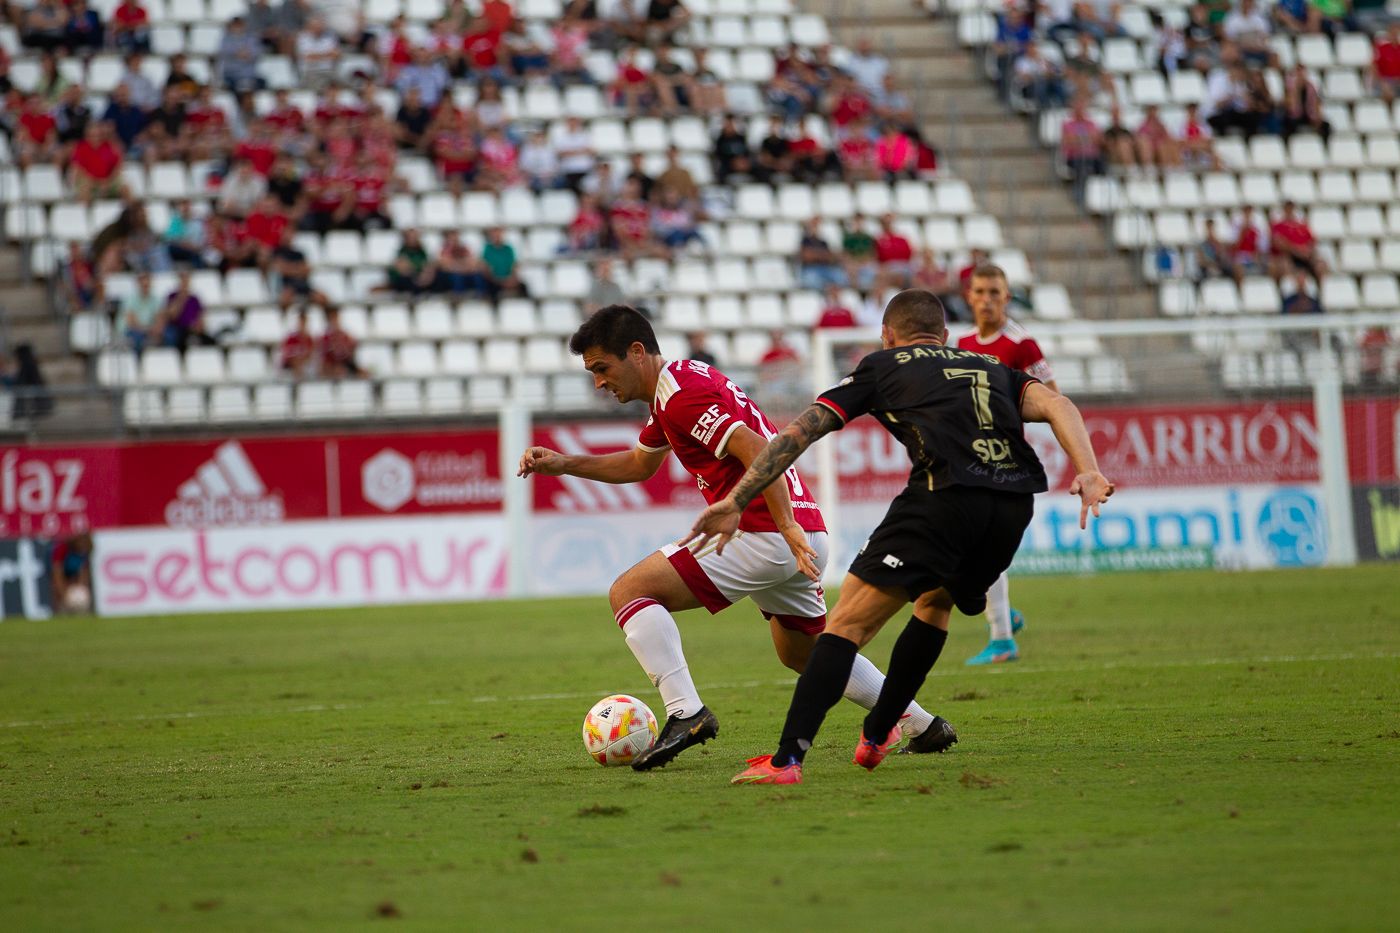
[{"x": 708, "y": 423}]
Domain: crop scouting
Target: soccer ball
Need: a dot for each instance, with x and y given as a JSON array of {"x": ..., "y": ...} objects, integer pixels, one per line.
[{"x": 617, "y": 729}]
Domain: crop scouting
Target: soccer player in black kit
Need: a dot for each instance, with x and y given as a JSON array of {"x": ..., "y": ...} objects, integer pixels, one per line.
[{"x": 945, "y": 539}]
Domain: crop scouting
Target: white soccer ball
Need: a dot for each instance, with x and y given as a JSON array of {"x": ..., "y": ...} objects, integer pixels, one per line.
[
  {"x": 617, "y": 729},
  {"x": 77, "y": 598}
]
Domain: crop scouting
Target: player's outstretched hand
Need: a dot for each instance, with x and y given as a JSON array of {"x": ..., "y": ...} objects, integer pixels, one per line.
[
  {"x": 1092, "y": 488},
  {"x": 540, "y": 460},
  {"x": 802, "y": 549},
  {"x": 720, "y": 520}
]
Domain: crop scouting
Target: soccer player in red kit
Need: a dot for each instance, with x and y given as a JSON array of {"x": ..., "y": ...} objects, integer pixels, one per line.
[
  {"x": 989, "y": 293},
  {"x": 715, "y": 431}
]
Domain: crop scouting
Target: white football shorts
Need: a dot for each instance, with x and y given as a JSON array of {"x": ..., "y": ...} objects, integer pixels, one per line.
[{"x": 757, "y": 565}]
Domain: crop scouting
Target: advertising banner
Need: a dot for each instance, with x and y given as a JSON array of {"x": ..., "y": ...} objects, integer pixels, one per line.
[
  {"x": 1376, "y": 510},
  {"x": 349, "y": 562},
  {"x": 57, "y": 491},
  {"x": 26, "y": 580}
]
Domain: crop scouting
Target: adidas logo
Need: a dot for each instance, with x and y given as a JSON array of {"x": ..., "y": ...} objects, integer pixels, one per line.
[{"x": 225, "y": 490}]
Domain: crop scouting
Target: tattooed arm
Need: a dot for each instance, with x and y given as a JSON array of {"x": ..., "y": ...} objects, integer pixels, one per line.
[{"x": 722, "y": 519}]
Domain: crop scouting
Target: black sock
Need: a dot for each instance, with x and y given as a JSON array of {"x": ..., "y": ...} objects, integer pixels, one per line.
[
  {"x": 915, "y": 652},
  {"x": 818, "y": 690}
]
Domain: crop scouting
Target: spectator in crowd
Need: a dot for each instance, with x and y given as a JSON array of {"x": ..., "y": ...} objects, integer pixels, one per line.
[
  {"x": 664, "y": 18},
  {"x": 1215, "y": 257},
  {"x": 237, "y": 58},
  {"x": 1014, "y": 35},
  {"x": 338, "y": 349},
  {"x": 895, "y": 254},
  {"x": 413, "y": 120},
  {"x": 1374, "y": 344},
  {"x": 1169, "y": 49},
  {"x": 425, "y": 75},
  {"x": 780, "y": 373},
  {"x": 732, "y": 158},
  {"x": 186, "y": 237},
  {"x": 1085, "y": 74},
  {"x": 673, "y": 222},
  {"x": 867, "y": 67},
  {"x": 633, "y": 89},
  {"x": 411, "y": 272},
  {"x": 242, "y": 189},
  {"x": 934, "y": 276},
  {"x": 25, "y": 381},
  {"x": 131, "y": 27},
  {"x": 576, "y": 156},
  {"x": 85, "y": 34},
  {"x": 1302, "y": 105},
  {"x": 570, "y": 42},
  {"x": 709, "y": 89},
  {"x": 51, "y": 85},
  {"x": 858, "y": 251},
  {"x": 72, "y": 115},
  {"x": 127, "y": 121},
  {"x": 1293, "y": 246},
  {"x": 298, "y": 357},
  {"x": 895, "y": 155},
  {"x": 1250, "y": 244},
  {"x": 143, "y": 90},
  {"x": 79, "y": 279},
  {"x": 1039, "y": 82},
  {"x": 183, "y": 316},
  {"x": 1226, "y": 104},
  {"x": 1297, "y": 17},
  {"x": 453, "y": 146},
  {"x": 695, "y": 348},
  {"x": 675, "y": 91},
  {"x": 459, "y": 271},
  {"x": 1081, "y": 148},
  {"x": 96, "y": 164},
  {"x": 1248, "y": 27},
  {"x": 539, "y": 162},
  {"x": 676, "y": 178},
  {"x": 774, "y": 154},
  {"x": 818, "y": 265},
  {"x": 141, "y": 314},
  {"x": 588, "y": 230},
  {"x": 499, "y": 258},
  {"x": 834, "y": 313},
  {"x": 1264, "y": 112},
  {"x": 1197, "y": 142},
  {"x": 856, "y": 151},
  {"x": 629, "y": 222},
  {"x": 1155, "y": 143},
  {"x": 291, "y": 273},
  {"x": 1384, "y": 74},
  {"x": 317, "y": 53},
  {"x": 1118, "y": 143},
  {"x": 1300, "y": 301},
  {"x": 604, "y": 289},
  {"x": 636, "y": 171},
  {"x": 71, "y": 573},
  {"x": 36, "y": 137},
  {"x": 892, "y": 104}
]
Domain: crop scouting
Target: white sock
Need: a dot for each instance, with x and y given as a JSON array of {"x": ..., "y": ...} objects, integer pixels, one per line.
[
  {"x": 999, "y": 609},
  {"x": 656, "y": 644},
  {"x": 863, "y": 689}
]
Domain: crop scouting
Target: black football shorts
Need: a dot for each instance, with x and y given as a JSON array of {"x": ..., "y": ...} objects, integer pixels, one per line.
[{"x": 960, "y": 538}]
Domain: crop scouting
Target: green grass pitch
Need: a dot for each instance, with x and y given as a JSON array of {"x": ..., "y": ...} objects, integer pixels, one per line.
[{"x": 1191, "y": 751}]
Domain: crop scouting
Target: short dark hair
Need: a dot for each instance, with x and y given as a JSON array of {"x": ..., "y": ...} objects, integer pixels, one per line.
[
  {"x": 915, "y": 311},
  {"x": 987, "y": 270},
  {"x": 613, "y": 330}
]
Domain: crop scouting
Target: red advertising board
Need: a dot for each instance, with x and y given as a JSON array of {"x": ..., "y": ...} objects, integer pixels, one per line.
[{"x": 265, "y": 480}]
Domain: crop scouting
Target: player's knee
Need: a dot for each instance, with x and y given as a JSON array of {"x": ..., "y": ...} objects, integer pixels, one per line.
[{"x": 622, "y": 592}]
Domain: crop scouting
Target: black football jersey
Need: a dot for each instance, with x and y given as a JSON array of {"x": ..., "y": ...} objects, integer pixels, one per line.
[{"x": 957, "y": 412}]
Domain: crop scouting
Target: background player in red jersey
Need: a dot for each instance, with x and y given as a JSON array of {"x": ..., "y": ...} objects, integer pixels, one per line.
[
  {"x": 715, "y": 431},
  {"x": 989, "y": 293}
]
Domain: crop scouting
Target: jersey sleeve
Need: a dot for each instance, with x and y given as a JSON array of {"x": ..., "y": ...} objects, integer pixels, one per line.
[
  {"x": 852, "y": 396},
  {"x": 702, "y": 416},
  {"x": 1021, "y": 380},
  {"x": 1033, "y": 362},
  {"x": 652, "y": 438}
]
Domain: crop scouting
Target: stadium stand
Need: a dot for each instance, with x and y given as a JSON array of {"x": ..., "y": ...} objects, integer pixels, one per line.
[
  {"x": 543, "y": 114},
  {"x": 1170, "y": 119}
]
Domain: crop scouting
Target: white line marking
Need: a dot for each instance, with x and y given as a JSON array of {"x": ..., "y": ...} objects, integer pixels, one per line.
[{"x": 1019, "y": 667}]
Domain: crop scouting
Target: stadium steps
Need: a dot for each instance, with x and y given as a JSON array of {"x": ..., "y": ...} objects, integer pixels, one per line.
[{"x": 25, "y": 317}]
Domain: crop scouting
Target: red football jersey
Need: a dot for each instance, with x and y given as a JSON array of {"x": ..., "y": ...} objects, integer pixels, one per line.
[
  {"x": 1014, "y": 347},
  {"x": 695, "y": 412}
]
